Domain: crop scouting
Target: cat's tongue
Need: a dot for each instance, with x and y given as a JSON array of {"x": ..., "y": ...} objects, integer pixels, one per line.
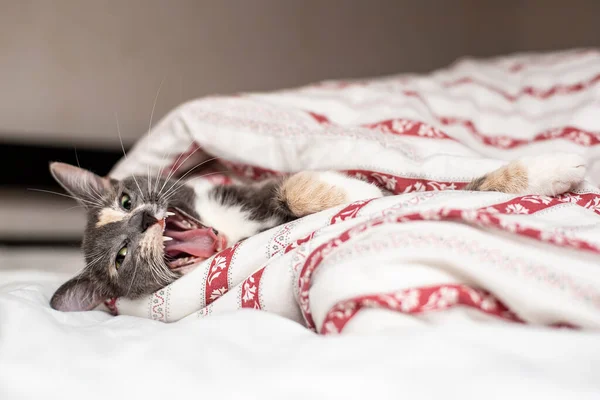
[{"x": 200, "y": 242}]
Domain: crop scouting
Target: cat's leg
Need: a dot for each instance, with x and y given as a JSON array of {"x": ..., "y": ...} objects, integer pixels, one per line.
[
  {"x": 547, "y": 175},
  {"x": 309, "y": 192}
]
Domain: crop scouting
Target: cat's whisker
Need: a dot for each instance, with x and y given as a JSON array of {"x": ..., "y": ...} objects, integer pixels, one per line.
[
  {"x": 154, "y": 105},
  {"x": 164, "y": 273},
  {"x": 125, "y": 153},
  {"x": 149, "y": 184},
  {"x": 183, "y": 162},
  {"x": 95, "y": 195},
  {"x": 70, "y": 208},
  {"x": 150, "y": 123},
  {"x": 91, "y": 191},
  {"x": 159, "y": 270},
  {"x": 132, "y": 279},
  {"x": 170, "y": 193},
  {"x": 160, "y": 169},
  {"x": 76, "y": 157},
  {"x": 69, "y": 196},
  {"x": 163, "y": 165},
  {"x": 174, "y": 187},
  {"x": 158, "y": 276},
  {"x": 161, "y": 274},
  {"x": 188, "y": 172},
  {"x": 88, "y": 265},
  {"x": 172, "y": 169}
]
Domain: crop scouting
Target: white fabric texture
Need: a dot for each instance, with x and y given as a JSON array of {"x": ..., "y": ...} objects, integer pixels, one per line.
[
  {"x": 431, "y": 292},
  {"x": 431, "y": 253}
]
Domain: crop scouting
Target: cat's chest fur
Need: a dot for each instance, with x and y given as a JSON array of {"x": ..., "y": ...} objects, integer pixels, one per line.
[{"x": 237, "y": 212}]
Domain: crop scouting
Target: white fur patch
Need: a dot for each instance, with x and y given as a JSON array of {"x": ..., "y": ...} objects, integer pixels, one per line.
[
  {"x": 354, "y": 188},
  {"x": 151, "y": 241},
  {"x": 231, "y": 221},
  {"x": 553, "y": 174},
  {"x": 110, "y": 215}
]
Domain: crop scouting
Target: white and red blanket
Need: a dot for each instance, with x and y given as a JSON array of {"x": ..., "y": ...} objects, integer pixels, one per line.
[{"x": 431, "y": 254}]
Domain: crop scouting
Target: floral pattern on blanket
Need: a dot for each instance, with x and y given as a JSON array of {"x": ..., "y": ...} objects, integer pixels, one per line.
[{"x": 429, "y": 254}]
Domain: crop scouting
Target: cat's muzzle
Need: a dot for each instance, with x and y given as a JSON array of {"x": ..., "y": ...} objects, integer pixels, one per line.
[{"x": 187, "y": 241}]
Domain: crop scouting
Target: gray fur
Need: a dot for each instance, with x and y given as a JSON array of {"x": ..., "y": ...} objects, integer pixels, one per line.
[
  {"x": 476, "y": 183},
  {"x": 259, "y": 200},
  {"x": 144, "y": 270}
]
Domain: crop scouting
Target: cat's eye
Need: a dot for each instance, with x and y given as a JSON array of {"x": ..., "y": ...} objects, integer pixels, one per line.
[
  {"x": 121, "y": 257},
  {"x": 125, "y": 201}
]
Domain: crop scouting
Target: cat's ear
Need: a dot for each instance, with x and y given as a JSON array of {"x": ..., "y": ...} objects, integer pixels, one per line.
[
  {"x": 84, "y": 185},
  {"x": 76, "y": 294}
]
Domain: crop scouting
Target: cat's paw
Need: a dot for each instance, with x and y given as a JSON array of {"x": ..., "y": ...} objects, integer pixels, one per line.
[
  {"x": 310, "y": 192},
  {"x": 553, "y": 174}
]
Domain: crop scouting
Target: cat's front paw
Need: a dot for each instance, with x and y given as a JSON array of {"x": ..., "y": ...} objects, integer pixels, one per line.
[{"x": 553, "y": 174}]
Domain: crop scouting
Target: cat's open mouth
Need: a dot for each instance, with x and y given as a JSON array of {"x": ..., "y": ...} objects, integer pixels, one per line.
[{"x": 187, "y": 241}]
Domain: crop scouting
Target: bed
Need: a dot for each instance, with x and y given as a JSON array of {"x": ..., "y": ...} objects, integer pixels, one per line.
[{"x": 432, "y": 292}]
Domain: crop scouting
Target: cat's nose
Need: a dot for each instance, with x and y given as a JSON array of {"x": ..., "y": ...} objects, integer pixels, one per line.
[{"x": 147, "y": 220}]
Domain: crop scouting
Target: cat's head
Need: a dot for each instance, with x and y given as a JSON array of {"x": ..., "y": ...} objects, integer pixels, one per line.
[{"x": 140, "y": 234}]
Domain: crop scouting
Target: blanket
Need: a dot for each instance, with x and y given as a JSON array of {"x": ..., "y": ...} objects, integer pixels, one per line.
[{"x": 428, "y": 254}]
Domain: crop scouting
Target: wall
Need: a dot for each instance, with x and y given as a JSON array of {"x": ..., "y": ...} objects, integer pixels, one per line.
[{"x": 68, "y": 66}]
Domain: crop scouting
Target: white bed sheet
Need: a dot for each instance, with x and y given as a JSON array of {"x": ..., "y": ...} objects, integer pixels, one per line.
[{"x": 45, "y": 354}]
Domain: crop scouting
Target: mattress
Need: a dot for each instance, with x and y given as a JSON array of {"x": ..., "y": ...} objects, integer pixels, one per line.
[{"x": 494, "y": 109}]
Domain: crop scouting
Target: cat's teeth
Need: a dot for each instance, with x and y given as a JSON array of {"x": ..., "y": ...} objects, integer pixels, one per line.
[
  {"x": 170, "y": 214},
  {"x": 166, "y": 238}
]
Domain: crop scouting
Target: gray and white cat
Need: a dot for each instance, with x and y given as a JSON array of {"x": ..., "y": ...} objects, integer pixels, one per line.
[{"x": 143, "y": 234}]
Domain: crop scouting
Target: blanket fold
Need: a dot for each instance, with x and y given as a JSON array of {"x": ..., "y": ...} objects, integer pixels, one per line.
[{"x": 428, "y": 254}]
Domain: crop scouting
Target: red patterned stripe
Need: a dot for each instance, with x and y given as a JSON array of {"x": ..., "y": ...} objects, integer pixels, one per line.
[
  {"x": 477, "y": 217},
  {"x": 250, "y": 290},
  {"x": 407, "y": 127},
  {"x": 486, "y": 218},
  {"x": 314, "y": 260},
  {"x": 158, "y": 306},
  {"x": 250, "y": 171},
  {"x": 349, "y": 212},
  {"x": 529, "y": 91},
  {"x": 417, "y": 301},
  {"x": 398, "y": 185},
  {"x": 216, "y": 279},
  {"x": 579, "y": 136},
  {"x": 321, "y": 119},
  {"x": 415, "y": 128},
  {"x": 532, "y": 203},
  {"x": 299, "y": 242},
  {"x": 572, "y": 134},
  {"x": 393, "y": 183}
]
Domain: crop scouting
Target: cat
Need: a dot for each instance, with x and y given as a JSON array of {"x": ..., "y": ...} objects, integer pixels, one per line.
[{"x": 144, "y": 234}]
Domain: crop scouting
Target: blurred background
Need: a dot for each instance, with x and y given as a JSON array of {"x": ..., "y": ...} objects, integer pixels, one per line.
[{"x": 71, "y": 68}]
